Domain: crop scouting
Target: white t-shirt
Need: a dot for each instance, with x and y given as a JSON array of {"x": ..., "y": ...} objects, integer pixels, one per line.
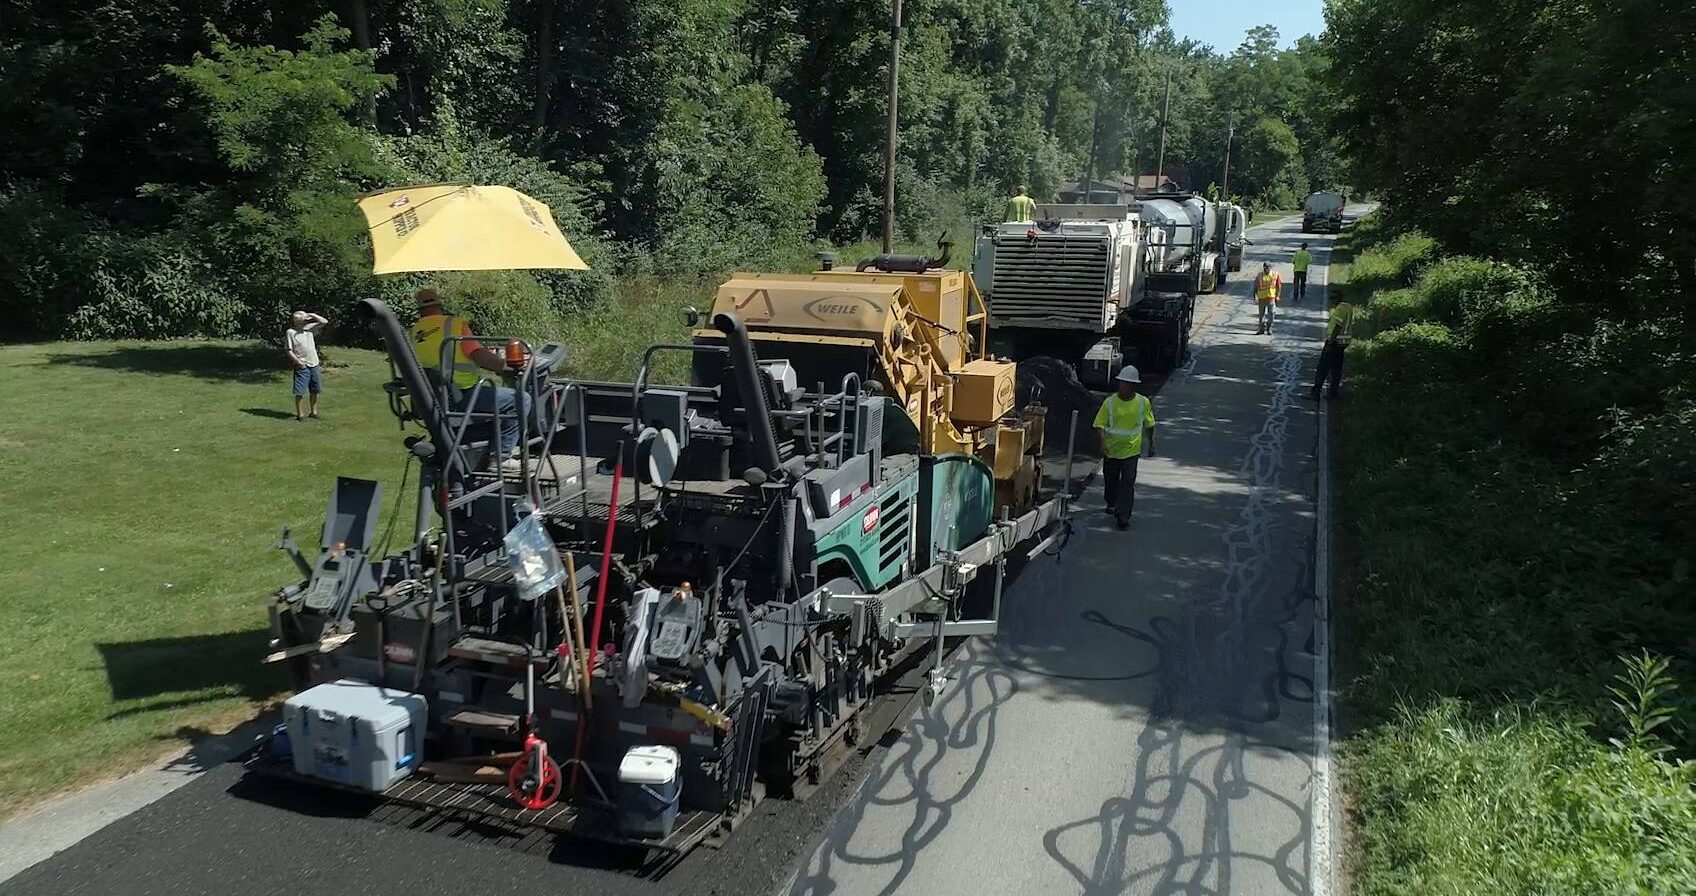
[{"x": 303, "y": 344}]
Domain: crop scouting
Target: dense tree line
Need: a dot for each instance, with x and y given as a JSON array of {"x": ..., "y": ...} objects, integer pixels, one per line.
[
  {"x": 1559, "y": 133},
  {"x": 186, "y": 166}
]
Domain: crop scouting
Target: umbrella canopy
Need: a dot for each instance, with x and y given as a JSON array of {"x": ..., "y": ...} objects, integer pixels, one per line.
[{"x": 453, "y": 227}]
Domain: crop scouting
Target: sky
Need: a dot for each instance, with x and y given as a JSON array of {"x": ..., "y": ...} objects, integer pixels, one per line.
[{"x": 1222, "y": 22}]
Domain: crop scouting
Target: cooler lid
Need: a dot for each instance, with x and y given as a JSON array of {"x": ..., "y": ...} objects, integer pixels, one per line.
[{"x": 648, "y": 765}]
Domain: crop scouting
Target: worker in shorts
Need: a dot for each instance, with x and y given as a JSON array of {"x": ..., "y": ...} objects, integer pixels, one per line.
[
  {"x": 1299, "y": 263},
  {"x": 301, "y": 343},
  {"x": 1125, "y": 419},
  {"x": 1267, "y": 286}
]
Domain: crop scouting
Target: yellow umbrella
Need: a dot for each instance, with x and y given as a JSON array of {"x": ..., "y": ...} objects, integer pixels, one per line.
[{"x": 452, "y": 227}]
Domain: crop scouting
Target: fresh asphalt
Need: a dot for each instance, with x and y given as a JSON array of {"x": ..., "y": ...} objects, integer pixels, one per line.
[{"x": 1142, "y": 724}]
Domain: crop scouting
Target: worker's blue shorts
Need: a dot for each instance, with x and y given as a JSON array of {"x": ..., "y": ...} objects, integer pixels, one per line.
[{"x": 306, "y": 380}]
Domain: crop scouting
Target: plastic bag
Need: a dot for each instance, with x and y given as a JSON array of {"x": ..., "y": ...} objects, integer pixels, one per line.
[{"x": 536, "y": 567}]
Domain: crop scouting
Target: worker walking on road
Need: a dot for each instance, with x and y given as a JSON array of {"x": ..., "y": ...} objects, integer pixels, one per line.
[
  {"x": 1267, "y": 286},
  {"x": 1339, "y": 331},
  {"x": 1021, "y": 207},
  {"x": 1124, "y": 420},
  {"x": 1299, "y": 263}
]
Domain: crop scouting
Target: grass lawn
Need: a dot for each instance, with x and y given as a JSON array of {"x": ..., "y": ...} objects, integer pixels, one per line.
[{"x": 145, "y": 487}]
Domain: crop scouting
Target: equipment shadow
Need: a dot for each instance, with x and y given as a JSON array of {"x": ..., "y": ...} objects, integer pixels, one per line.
[{"x": 188, "y": 670}]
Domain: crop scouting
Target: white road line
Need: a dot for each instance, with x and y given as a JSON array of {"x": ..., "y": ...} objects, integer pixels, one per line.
[{"x": 1322, "y": 864}]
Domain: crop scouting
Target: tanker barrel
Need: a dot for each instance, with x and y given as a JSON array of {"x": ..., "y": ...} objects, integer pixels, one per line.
[
  {"x": 424, "y": 406},
  {"x": 750, "y": 383}
]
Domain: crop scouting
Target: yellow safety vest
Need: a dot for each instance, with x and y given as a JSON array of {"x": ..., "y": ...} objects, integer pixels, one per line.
[
  {"x": 427, "y": 337},
  {"x": 1123, "y": 422},
  {"x": 1341, "y": 324},
  {"x": 1266, "y": 288},
  {"x": 1300, "y": 261},
  {"x": 1020, "y": 208}
]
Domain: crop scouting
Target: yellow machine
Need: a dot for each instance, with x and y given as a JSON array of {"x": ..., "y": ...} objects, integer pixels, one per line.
[{"x": 920, "y": 334}]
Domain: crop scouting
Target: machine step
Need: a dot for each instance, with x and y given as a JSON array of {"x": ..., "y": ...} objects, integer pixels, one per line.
[
  {"x": 472, "y": 649},
  {"x": 484, "y": 721}
]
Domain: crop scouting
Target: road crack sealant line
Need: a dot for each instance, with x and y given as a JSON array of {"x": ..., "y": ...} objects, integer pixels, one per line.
[{"x": 1154, "y": 795}]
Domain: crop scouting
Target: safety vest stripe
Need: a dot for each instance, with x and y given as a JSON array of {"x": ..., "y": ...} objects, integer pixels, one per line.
[{"x": 1112, "y": 411}]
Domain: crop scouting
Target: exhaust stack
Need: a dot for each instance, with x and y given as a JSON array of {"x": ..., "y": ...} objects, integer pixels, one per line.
[{"x": 751, "y": 383}]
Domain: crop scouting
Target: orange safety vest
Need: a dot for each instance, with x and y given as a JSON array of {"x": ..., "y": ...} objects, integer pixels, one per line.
[{"x": 1267, "y": 287}]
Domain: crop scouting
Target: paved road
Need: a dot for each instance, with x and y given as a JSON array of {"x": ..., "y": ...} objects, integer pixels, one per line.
[{"x": 1144, "y": 722}]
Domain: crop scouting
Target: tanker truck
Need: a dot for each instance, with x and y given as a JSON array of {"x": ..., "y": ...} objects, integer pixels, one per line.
[
  {"x": 1100, "y": 285},
  {"x": 1322, "y": 211}
]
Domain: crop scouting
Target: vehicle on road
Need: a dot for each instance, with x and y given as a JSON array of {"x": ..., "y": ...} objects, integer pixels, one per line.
[
  {"x": 1102, "y": 285},
  {"x": 1323, "y": 212},
  {"x": 677, "y": 598}
]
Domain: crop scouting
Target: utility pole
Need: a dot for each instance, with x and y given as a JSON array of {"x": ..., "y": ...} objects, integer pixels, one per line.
[
  {"x": 1230, "y": 131},
  {"x": 1094, "y": 139},
  {"x": 890, "y": 132},
  {"x": 1165, "y": 109}
]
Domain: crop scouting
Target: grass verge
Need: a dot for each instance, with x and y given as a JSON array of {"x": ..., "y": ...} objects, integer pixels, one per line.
[
  {"x": 1510, "y": 546},
  {"x": 146, "y": 484}
]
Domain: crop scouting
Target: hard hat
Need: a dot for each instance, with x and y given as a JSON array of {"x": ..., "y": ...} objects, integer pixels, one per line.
[{"x": 1129, "y": 374}]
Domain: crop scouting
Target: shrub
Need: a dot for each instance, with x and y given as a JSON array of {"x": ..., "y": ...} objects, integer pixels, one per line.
[
  {"x": 156, "y": 291},
  {"x": 1515, "y": 801}
]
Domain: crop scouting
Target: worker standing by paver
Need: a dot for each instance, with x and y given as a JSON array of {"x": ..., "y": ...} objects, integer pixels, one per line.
[
  {"x": 1125, "y": 419},
  {"x": 1339, "y": 331},
  {"x": 1021, "y": 207},
  {"x": 1299, "y": 263},
  {"x": 1267, "y": 286}
]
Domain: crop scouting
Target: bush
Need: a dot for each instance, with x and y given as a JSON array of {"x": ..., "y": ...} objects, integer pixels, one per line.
[
  {"x": 1516, "y": 802},
  {"x": 156, "y": 291}
]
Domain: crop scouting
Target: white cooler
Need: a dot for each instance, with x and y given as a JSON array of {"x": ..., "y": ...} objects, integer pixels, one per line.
[{"x": 356, "y": 734}]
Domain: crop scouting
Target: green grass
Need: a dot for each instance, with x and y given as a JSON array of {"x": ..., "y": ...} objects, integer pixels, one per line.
[
  {"x": 1497, "y": 564},
  {"x": 145, "y": 486}
]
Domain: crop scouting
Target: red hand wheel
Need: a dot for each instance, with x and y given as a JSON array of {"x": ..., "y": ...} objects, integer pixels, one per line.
[{"x": 534, "y": 781}]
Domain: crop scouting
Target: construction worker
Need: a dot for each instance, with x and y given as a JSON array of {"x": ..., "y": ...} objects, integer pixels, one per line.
[
  {"x": 1299, "y": 263},
  {"x": 1124, "y": 420},
  {"x": 1021, "y": 207},
  {"x": 1267, "y": 287},
  {"x": 469, "y": 358},
  {"x": 1339, "y": 331}
]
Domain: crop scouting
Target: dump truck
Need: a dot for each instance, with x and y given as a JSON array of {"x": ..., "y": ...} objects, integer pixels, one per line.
[
  {"x": 683, "y": 597},
  {"x": 1323, "y": 212}
]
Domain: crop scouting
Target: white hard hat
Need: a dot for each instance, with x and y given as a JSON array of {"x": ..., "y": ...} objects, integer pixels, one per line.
[{"x": 1129, "y": 374}]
